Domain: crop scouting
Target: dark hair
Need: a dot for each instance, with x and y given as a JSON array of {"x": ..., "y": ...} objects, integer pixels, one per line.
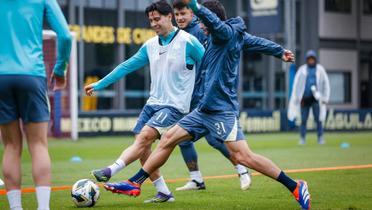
[
  {"x": 178, "y": 4},
  {"x": 161, "y": 6},
  {"x": 216, "y": 7}
]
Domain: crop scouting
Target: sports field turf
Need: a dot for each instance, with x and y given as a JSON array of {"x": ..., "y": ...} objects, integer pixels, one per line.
[{"x": 336, "y": 189}]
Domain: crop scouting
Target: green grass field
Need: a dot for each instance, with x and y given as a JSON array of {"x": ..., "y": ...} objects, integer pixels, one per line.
[{"x": 339, "y": 189}]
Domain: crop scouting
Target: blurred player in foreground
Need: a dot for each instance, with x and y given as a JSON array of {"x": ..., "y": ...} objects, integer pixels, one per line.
[{"x": 23, "y": 90}]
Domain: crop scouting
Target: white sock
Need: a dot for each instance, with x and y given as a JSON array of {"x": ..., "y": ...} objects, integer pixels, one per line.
[
  {"x": 196, "y": 175},
  {"x": 117, "y": 166},
  {"x": 14, "y": 198},
  {"x": 161, "y": 186},
  {"x": 43, "y": 197},
  {"x": 241, "y": 169}
]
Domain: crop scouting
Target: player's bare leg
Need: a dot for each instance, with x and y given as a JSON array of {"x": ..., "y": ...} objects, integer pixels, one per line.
[
  {"x": 245, "y": 156},
  {"x": 37, "y": 140},
  {"x": 140, "y": 147},
  {"x": 12, "y": 140},
  {"x": 242, "y": 153},
  {"x": 36, "y": 134},
  {"x": 165, "y": 147},
  {"x": 164, "y": 194},
  {"x": 157, "y": 158}
]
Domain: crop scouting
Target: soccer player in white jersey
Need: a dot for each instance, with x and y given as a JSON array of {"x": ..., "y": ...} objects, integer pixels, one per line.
[{"x": 172, "y": 56}]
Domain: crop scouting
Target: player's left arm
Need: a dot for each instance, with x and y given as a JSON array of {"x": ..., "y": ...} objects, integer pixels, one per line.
[
  {"x": 267, "y": 47},
  {"x": 58, "y": 24},
  {"x": 194, "y": 51}
]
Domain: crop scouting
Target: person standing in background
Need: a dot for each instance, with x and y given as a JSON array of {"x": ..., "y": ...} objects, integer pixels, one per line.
[{"x": 311, "y": 89}]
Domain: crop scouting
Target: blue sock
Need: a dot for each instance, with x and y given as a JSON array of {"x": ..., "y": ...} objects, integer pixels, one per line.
[
  {"x": 188, "y": 152},
  {"x": 140, "y": 177},
  {"x": 286, "y": 181}
]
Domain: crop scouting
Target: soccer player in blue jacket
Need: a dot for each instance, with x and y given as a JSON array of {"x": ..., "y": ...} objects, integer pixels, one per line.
[
  {"x": 216, "y": 112},
  {"x": 187, "y": 21},
  {"x": 23, "y": 90}
]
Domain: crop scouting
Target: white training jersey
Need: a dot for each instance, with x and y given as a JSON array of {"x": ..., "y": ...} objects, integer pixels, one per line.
[{"x": 172, "y": 83}]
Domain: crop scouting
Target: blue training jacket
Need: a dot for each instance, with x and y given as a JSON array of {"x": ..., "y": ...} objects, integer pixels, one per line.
[
  {"x": 21, "y": 38},
  {"x": 222, "y": 57},
  {"x": 194, "y": 29}
]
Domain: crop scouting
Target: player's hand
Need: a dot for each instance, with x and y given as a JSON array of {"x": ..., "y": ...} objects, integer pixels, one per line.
[
  {"x": 89, "y": 90},
  {"x": 58, "y": 82},
  {"x": 288, "y": 56}
]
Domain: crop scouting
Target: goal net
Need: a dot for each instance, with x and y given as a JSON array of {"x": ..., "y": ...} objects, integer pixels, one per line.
[{"x": 63, "y": 103}]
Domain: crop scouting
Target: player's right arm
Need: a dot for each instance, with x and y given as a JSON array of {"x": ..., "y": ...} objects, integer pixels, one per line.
[
  {"x": 262, "y": 45},
  {"x": 139, "y": 60},
  {"x": 218, "y": 28},
  {"x": 267, "y": 47},
  {"x": 59, "y": 25}
]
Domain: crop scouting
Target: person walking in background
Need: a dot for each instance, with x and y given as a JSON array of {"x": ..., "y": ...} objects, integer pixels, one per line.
[
  {"x": 311, "y": 89},
  {"x": 23, "y": 90}
]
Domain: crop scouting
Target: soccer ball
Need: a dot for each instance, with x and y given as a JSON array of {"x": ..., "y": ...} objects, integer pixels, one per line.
[{"x": 85, "y": 193}]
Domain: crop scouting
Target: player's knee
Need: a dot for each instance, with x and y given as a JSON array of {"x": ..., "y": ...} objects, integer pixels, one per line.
[
  {"x": 168, "y": 137},
  {"x": 14, "y": 148},
  {"x": 145, "y": 138}
]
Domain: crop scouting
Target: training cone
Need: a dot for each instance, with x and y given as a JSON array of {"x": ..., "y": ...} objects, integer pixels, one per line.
[
  {"x": 344, "y": 145},
  {"x": 76, "y": 159}
]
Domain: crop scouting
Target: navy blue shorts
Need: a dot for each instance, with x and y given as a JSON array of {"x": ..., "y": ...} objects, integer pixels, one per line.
[
  {"x": 222, "y": 126},
  {"x": 25, "y": 97},
  {"x": 158, "y": 117}
]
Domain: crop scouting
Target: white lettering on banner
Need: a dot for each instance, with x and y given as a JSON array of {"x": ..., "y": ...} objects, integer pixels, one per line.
[
  {"x": 101, "y": 124},
  {"x": 95, "y": 124},
  {"x": 122, "y": 124},
  {"x": 340, "y": 121},
  {"x": 334, "y": 121},
  {"x": 109, "y": 35},
  {"x": 260, "y": 124}
]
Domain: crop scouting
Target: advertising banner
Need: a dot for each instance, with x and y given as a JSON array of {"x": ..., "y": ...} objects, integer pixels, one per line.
[{"x": 251, "y": 121}]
